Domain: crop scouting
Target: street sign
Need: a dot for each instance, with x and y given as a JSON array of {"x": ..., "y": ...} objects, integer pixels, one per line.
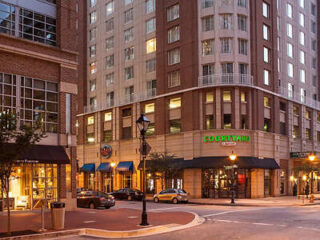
[{"x": 147, "y": 150}]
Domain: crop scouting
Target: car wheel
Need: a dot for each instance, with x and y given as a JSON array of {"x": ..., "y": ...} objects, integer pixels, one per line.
[
  {"x": 92, "y": 206},
  {"x": 129, "y": 198},
  {"x": 175, "y": 201},
  {"x": 156, "y": 200}
]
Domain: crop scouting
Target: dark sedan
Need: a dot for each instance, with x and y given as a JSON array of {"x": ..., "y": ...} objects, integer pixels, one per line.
[
  {"x": 95, "y": 199},
  {"x": 128, "y": 194}
]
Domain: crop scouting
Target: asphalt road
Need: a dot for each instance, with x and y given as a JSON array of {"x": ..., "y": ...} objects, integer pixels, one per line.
[{"x": 226, "y": 222}]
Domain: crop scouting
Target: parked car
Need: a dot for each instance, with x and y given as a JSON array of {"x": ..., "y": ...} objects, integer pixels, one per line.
[
  {"x": 128, "y": 193},
  {"x": 94, "y": 199},
  {"x": 171, "y": 195}
]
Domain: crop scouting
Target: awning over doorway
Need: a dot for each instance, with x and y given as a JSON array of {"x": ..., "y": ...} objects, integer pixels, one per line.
[
  {"x": 44, "y": 154},
  {"x": 218, "y": 162},
  {"x": 125, "y": 167},
  {"x": 89, "y": 167},
  {"x": 104, "y": 167}
]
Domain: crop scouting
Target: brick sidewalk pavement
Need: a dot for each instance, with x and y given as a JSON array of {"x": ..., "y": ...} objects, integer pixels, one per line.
[{"x": 111, "y": 219}]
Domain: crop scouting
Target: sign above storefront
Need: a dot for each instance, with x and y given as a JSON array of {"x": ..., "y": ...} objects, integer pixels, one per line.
[
  {"x": 106, "y": 151},
  {"x": 226, "y": 138},
  {"x": 301, "y": 154}
]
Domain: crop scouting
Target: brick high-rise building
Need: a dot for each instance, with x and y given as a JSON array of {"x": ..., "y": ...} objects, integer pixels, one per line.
[
  {"x": 214, "y": 78},
  {"x": 39, "y": 45}
]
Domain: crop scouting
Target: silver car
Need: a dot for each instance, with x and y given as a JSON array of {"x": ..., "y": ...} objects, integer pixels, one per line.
[{"x": 171, "y": 195}]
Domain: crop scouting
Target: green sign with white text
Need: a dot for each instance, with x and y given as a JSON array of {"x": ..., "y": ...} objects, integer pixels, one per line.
[{"x": 226, "y": 138}]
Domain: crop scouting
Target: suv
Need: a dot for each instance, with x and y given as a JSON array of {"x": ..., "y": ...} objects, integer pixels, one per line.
[
  {"x": 171, "y": 195},
  {"x": 94, "y": 199}
]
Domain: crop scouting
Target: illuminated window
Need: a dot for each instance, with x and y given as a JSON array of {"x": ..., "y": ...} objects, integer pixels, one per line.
[
  {"x": 90, "y": 120},
  {"x": 265, "y": 10},
  {"x": 149, "y": 108},
  {"x": 296, "y": 110},
  {"x": 175, "y": 103},
  {"x": 93, "y": 17},
  {"x": 209, "y": 122},
  {"x": 109, "y": 8},
  {"x": 108, "y": 116},
  {"x": 151, "y": 129},
  {"x": 266, "y": 102},
  {"x": 90, "y": 138},
  {"x": 175, "y": 126},
  {"x": 107, "y": 135},
  {"x": 151, "y": 45},
  {"x": 243, "y": 97},
  {"x": 227, "y": 96},
  {"x": 308, "y": 114},
  {"x": 209, "y": 97},
  {"x": 92, "y": 68},
  {"x": 295, "y": 132},
  {"x": 267, "y": 125}
]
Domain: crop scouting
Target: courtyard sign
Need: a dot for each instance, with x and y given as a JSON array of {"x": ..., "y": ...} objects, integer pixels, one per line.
[{"x": 226, "y": 138}]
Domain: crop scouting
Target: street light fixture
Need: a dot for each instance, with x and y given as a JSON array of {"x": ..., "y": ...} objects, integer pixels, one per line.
[
  {"x": 143, "y": 123},
  {"x": 232, "y": 158},
  {"x": 112, "y": 164}
]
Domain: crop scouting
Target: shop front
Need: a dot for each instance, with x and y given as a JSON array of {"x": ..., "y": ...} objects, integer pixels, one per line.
[
  {"x": 35, "y": 178},
  {"x": 106, "y": 177},
  {"x": 87, "y": 176},
  {"x": 125, "y": 174}
]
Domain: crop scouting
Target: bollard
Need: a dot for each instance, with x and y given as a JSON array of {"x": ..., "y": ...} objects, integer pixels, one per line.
[{"x": 42, "y": 217}]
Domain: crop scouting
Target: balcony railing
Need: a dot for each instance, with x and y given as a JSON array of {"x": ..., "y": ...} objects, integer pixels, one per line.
[
  {"x": 152, "y": 92},
  {"x": 225, "y": 79}
]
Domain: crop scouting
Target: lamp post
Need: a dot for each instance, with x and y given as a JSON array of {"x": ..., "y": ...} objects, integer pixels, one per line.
[
  {"x": 232, "y": 158},
  {"x": 143, "y": 123},
  {"x": 113, "y": 164},
  {"x": 311, "y": 158}
]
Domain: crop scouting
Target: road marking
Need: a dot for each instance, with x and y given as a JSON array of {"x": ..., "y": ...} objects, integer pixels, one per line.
[
  {"x": 223, "y": 221},
  {"x": 226, "y": 212},
  {"x": 263, "y": 224},
  {"x": 282, "y": 225},
  {"x": 89, "y": 221},
  {"x": 161, "y": 209}
]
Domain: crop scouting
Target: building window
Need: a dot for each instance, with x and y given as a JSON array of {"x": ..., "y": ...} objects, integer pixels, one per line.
[
  {"x": 126, "y": 2},
  {"x": 290, "y": 90},
  {"x": 206, "y": 3},
  {"x": 265, "y": 54},
  {"x": 174, "y": 34},
  {"x": 107, "y": 135},
  {"x": 243, "y": 97},
  {"x": 226, "y": 45},
  {"x": 314, "y": 63},
  {"x": 207, "y": 23},
  {"x": 93, "y": 17},
  {"x": 313, "y": 27},
  {"x": 301, "y": 3},
  {"x": 109, "y": 79},
  {"x": 150, "y": 6},
  {"x": 151, "y": 25},
  {"x": 108, "y": 116},
  {"x": 267, "y": 125},
  {"x": 92, "y": 68},
  {"x": 175, "y": 126},
  {"x": 128, "y": 73},
  {"x": 209, "y": 97},
  {"x": 109, "y": 8},
  {"x": 208, "y": 70},
  {"x": 243, "y": 46},
  {"x": 302, "y": 38},
  {"x": 290, "y": 70},
  {"x": 173, "y": 13},
  {"x": 128, "y": 16},
  {"x": 266, "y": 102},
  {"x": 110, "y": 61},
  {"x": 265, "y": 10},
  {"x": 151, "y": 129},
  {"x": 209, "y": 122},
  {"x": 242, "y": 23},
  {"x": 244, "y": 122},
  {"x": 308, "y": 114},
  {"x": 92, "y": 86},
  {"x": 207, "y": 47},
  {"x": 283, "y": 106},
  {"x": 109, "y": 43},
  {"x": 296, "y": 110},
  {"x": 301, "y": 19},
  {"x": 7, "y": 19},
  {"x": 302, "y": 95},
  {"x": 174, "y": 79},
  {"x": 283, "y": 130},
  {"x": 90, "y": 120},
  {"x": 39, "y": 28},
  {"x": 92, "y": 34},
  {"x": 93, "y": 102},
  {"x": 174, "y": 56},
  {"x": 265, "y": 32},
  {"x": 318, "y": 136},
  {"x": 126, "y": 133},
  {"x": 175, "y": 103},
  {"x": 227, "y": 121},
  {"x": 313, "y": 9},
  {"x": 92, "y": 3},
  {"x": 149, "y": 108},
  {"x": 242, "y": 3},
  {"x": 151, "y": 45},
  {"x": 266, "y": 74},
  {"x": 289, "y": 10},
  {"x": 226, "y": 21},
  {"x": 150, "y": 65},
  {"x": 227, "y": 96},
  {"x": 295, "y": 132},
  {"x": 110, "y": 99},
  {"x": 289, "y": 50},
  {"x": 289, "y": 30},
  {"x": 90, "y": 138},
  {"x": 109, "y": 25},
  {"x": 302, "y": 57},
  {"x": 92, "y": 51},
  {"x": 302, "y": 76},
  {"x": 128, "y": 35},
  {"x": 126, "y": 112},
  {"x": 128, "y": 54},
  {"x": 314, "y": 81},
  {"x": 152, "y": 88},
  {"x": 129, "y": 94}
]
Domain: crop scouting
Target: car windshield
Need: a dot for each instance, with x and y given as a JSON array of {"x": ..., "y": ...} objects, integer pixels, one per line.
[{"x": 181, "y": 191}]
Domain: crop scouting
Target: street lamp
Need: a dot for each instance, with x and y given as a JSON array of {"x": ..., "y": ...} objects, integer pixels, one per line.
[
  {"x": 113, "y": 164},
  {"x": 232, "y": 158},
  {"x": 143, "y": 123}
]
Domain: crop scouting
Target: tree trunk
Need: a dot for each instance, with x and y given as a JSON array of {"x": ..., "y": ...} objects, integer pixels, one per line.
[{"x": 8, "y": 205}]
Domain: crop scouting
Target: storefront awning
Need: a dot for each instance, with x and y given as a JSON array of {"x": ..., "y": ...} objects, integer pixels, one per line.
[
  {"x": 125, "y": 167},
  {"x": 44, "y": 154},
  {"x": 104, "y": 167},
  {"x": 89, "y": 167},
  {"x": 218, "y": 162}
]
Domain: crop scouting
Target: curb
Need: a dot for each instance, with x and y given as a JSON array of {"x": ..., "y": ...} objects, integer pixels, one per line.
[
  {"x": 253, "y": 205},
  {"x": 113, "y": 234}
]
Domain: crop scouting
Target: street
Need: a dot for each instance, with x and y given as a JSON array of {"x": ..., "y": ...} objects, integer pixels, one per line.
[{"x": 227, "y": 222}]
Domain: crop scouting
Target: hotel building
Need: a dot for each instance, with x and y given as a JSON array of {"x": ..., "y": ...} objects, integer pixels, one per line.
[
  {"x": 214, "y": 78},
  {"x": 38, "y": 81}
]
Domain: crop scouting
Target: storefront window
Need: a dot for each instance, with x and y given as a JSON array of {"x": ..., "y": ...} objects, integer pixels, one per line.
[
  {"x": 127, "y": 180},
  {"x": 267, "y": 182},
  {"x": 91, "y": 181}
]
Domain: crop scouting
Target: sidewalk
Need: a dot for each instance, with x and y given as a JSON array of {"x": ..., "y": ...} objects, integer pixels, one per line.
[{"x": 114, "y": 220}]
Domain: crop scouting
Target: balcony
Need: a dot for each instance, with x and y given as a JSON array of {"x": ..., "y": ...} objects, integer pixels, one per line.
[{"x": 225, "y": 79}]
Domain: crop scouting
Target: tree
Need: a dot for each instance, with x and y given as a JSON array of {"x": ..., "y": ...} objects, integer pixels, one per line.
[
  {"x": 14, "y": 142},
  {"x": 306, "y": 169},
  {"x": 163, "y": 167}
]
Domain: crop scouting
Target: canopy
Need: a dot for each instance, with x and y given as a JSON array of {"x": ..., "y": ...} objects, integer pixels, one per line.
[
  {"x": 89, "y": 167},
  {"x": 104, "y": 167},
  {"x": 125, "y": 167}
]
